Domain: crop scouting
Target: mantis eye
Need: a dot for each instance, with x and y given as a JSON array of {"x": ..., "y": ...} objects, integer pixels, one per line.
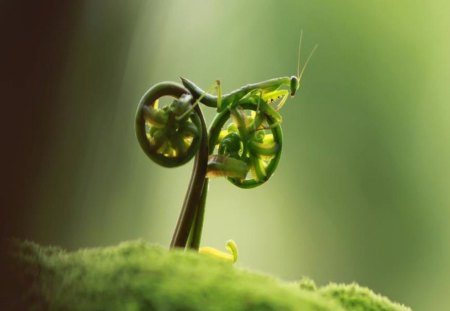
[{"x": 295, "y": 84}]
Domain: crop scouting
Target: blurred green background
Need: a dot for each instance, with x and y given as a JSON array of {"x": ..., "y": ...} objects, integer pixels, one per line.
[{"x": 361, "y": 193}]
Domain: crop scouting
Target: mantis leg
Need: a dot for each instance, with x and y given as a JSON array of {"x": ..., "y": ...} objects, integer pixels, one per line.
[
  {"x": 219, "y": 95},
  {"x": 277, "y": 94},
  {"x": 269, "y": 110},
  {"x": 254, "y": 97},
  {"x": 282, "y": 101},
  {"x": 269, "y": 97},
  {"x": 257, "y": 121}
]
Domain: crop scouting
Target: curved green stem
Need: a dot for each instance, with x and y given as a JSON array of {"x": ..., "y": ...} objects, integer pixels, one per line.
[
  {"x": 193, "y": 199},
  {"x": 196, "y": 230}
]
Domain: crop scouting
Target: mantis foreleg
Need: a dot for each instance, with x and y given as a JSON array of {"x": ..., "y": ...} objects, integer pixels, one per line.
[{"x": 274, "y": 95}]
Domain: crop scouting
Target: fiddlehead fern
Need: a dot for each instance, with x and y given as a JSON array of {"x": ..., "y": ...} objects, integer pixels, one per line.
[
  {"x": 171, "y": 136},
  {"x": 249, "y": 149},
  {"x": 244, "y": 143}
]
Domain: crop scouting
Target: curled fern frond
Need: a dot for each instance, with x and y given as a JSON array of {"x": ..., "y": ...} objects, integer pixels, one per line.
[
  {"x": 169, "y": 135},
  {"x": 252, "y": 140}
]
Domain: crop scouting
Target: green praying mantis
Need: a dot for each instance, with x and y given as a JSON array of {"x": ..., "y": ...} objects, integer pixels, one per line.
[
  {"x": 261, "y": 93},
  {"x": 243, "y": 143}
]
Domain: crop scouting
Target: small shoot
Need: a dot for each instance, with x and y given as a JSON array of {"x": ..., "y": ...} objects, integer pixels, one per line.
[{"x": 231, "y": 256}]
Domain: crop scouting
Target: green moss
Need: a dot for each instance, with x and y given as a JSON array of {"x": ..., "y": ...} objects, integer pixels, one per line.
[
  {"x": 138, "y": 276},
  {"x": 356, "y": 298}
]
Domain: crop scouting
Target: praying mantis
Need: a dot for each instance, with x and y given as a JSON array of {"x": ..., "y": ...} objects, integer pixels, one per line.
[
  {"x": 243, "y": 143},
  {"x": 261, "y": 93}
]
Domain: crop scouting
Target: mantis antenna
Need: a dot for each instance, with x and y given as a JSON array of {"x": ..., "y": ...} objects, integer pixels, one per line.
[
  {"x": 299, "y": 49},
  {"x": 307, "y": 61}
]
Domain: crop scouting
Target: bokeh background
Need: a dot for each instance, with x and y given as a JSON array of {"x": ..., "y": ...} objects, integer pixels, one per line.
[{"x": 361, "y": 193}]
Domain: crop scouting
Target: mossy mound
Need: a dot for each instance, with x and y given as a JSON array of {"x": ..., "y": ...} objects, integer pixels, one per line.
[{"x": 138, "y": 276}]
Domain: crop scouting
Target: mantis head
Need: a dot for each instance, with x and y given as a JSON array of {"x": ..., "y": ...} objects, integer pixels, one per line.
[
  {"x": 294, "y": 85},
  {"x": 295, "y": 80}
]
